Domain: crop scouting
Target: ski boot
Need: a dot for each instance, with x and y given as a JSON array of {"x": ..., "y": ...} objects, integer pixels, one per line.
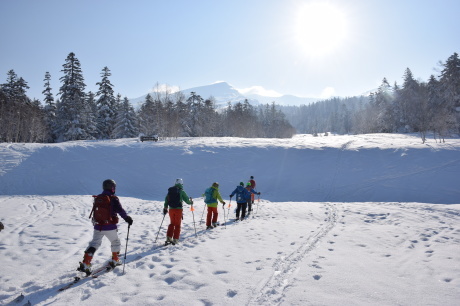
[
  {"x": 169, "y": 240},
  {"x": 115, "y": 261},
  {"x": 85, "y": 266}
]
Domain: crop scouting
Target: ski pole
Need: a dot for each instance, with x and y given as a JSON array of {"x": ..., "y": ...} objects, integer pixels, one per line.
[
  {"x": 204, "y": 208},
  {"x": 126, "y": 249},
  {"x": 164, "y": 215},
  {"x": 225, "y": 221},
  {"x": 258, "y": 200},
  {"x": 229, "y": 204},
  {"x": 192, "y": 209}
]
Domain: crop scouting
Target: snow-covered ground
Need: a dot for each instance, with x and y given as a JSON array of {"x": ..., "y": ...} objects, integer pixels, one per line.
[{"x": 342, "y": 220}]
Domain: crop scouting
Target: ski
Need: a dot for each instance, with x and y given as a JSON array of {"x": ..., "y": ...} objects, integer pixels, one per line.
[{"x": 93, "y": 274}]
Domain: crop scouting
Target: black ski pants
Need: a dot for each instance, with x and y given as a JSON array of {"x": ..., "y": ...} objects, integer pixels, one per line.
[{"x": 239, "y": 207}]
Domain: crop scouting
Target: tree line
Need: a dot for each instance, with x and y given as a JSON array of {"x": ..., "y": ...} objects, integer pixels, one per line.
[
  {"x": 413, "y": 106},
  {"x": 80, "y": 115}
]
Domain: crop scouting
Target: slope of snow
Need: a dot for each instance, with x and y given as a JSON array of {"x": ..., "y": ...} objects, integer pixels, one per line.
[{"x": 369, "y": 219}]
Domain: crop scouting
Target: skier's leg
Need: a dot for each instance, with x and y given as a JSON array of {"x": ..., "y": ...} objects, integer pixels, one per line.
[
  {"x": 176, "y": 220},
  {"x": 115, "y": 243},
  {"x": 170, "y": 231},
  {"x": 209, "y": 216},
  {"x": 215, "y": 215},
  {"x": 244, "y": 210}
]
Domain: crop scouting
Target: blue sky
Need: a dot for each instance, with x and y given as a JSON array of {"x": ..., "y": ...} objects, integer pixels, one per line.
[{"x": 304, "y": 48}]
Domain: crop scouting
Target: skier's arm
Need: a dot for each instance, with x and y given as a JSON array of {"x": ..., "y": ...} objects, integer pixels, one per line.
[
  {"x": 184, "y": 197},
  {"x": 118, "y": 208},
  {"x": 218, "y": 197}
]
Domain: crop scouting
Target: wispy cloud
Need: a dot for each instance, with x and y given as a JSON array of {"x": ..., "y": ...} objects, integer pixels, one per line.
[
  {"x": 327, "y": 93},
  {"x": 164, "y": 88},
  {"x": 260, "y": 90}
]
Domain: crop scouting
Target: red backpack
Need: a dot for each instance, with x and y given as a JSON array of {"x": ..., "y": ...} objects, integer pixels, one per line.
[{"x": 102, "y": 210}]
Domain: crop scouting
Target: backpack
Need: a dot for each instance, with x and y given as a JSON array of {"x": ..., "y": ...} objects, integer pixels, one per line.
[
  {"x": 208, "y": 198},
  {"x": 174, "y": 197},
  {"x": 102, "y": 210},
  {"x": 240, "y": 195}
]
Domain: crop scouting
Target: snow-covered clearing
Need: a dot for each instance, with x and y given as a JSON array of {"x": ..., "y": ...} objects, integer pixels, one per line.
[{"x": 356, "y": 220}]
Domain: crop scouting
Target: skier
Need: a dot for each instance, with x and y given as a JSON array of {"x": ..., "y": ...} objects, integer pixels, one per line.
[
  {"x": 250, "y": 199},
  {"x": 107, "y": 228},
  {"x": 212, "y": 197},
  {"x": 1, "y": 226},
  {"x": 253, "y": 185},
  {"x": 242, "y": 196},
  {"x": 176, "y": 195}
]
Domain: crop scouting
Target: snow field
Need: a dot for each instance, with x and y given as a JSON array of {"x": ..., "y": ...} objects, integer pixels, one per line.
[{"x": 328, "y": 230}]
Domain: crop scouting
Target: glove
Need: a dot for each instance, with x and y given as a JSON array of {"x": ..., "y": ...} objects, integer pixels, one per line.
[
  {"x": 129, "y": 220},
  {"x": 231, "y": 196},
  {"x": 165, "y": 211},
  {"x": 258, "y": 193},
  {"x": 223, "y": 203}
]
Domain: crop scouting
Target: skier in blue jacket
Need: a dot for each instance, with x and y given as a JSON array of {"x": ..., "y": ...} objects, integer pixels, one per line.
[{"x": 242, "y": 196}]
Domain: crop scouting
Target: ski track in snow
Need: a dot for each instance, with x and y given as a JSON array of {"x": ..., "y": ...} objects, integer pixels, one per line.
[
  {"x": 418, "y": 229},
  {"x": 273, "y": 291}
]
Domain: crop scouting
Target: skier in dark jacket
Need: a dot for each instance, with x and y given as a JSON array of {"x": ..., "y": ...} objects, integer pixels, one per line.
[
  {"x": 174, "y": 200},
  {"x": 250, "y": 200},
  {"x": 242, "y": 196},
  {"x": 108, "y": 230}
]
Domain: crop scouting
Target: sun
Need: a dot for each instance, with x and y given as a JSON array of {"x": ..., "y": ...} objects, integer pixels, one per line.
[{"x": 320, "y": 28}]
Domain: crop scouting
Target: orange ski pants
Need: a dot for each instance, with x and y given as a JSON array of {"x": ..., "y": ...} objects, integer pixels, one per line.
[
  {"x": 211, "y": 216},
  {"x": 176, "y": 219}
]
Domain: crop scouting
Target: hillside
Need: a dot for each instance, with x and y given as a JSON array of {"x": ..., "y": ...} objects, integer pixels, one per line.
[{"x": 364, "y": 168}]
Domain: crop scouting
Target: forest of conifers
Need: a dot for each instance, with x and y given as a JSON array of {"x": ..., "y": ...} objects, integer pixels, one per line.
[{"x": 414, "y": 106}]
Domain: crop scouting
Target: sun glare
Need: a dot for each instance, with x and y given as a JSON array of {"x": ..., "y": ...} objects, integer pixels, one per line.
[{"x": 320, "y": 28}]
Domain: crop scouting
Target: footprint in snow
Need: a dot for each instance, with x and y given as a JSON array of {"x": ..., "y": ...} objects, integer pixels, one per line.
[
  {"x": 170, "y": 280},
  {"x": 231, "y": 293}
]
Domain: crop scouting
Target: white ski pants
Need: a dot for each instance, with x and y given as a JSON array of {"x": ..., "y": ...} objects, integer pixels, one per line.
[{"x": 112, "y": 235}]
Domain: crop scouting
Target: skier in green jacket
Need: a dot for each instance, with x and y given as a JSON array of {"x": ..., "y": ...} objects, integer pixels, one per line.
[
  {"x": 174, "y": 199},
  {"x": 212, "y": 196}
]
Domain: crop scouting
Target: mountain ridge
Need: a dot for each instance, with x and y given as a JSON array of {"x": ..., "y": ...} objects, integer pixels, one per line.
[{"x": 223, "y": 93}]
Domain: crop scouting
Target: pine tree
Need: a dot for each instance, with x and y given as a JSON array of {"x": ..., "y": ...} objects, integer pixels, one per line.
[
  {"x": 195, "y": 106},
  {"x": 50, "y": 109},
  {"x": 106, "y": 105},
  {"x": 408, "y": 98},
  {"x": 72, "y": 103},
  {"x": 91, "y": 116},
  {"x": 146, "y": 117},
  {"x": 450, "y": 86},
  {"x": 126, "y": 121}
]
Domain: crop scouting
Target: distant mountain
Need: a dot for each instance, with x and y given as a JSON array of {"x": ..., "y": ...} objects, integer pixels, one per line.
[
  {"x": 224, "y": 93},
  {"x": 283, "y": 100}
]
